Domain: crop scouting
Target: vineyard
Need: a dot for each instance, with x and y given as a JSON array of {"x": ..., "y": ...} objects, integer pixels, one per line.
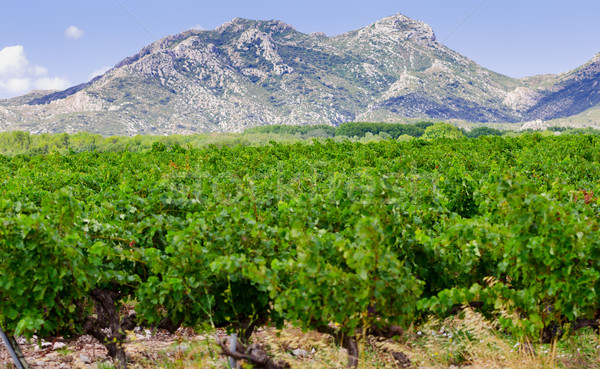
[{"x": 343, "y": 238}]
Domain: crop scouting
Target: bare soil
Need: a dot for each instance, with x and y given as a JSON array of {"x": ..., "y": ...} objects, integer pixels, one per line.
[{"x": 86, "y": 352}]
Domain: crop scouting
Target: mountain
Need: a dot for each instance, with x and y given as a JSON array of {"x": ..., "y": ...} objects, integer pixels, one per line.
[
  {"x": 573, "y": 93},
  {"x": 247, "y": 73}
]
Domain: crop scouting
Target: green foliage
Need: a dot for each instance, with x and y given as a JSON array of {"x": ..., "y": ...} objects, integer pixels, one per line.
[
  {"x": 352, "y": 129},
  {"x": 158, "y": 147},
  {"x": 354, "y": 234},
  {"x": 580, "y": 131},
  {"x": 443, "y": 130},
  {"x": 483, "y": 131},
  {"x": 308, "y": 130},
  {"x": 17, "y": 142},
  {"x": 47, "y": 266},
  {"x": 358, "y": 129},
  {"x": 424, "y": 125},
  {"x": 459, "y": 187},
  {"x": 552, "y": 283}
]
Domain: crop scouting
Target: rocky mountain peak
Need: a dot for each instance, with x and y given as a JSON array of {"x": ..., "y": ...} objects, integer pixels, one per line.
[
  {"x": 241, "y": 24},
  {"x": 407, "y": 28}
]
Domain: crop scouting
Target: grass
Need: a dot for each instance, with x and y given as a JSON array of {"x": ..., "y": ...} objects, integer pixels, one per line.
[
  {"x": 105, "y": 366},
  {"x": 471, "y": 341},
  {"x": 65, "y": 351},
  {"x": 465, "y": 341}
]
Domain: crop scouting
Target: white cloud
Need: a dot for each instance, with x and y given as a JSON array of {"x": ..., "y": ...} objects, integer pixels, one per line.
[
  {"x": 19, "y": 76},
  {"x": 13, "y": 61},
  {"x": 74, "y": 33},
  {"x": 198, "y": 27},
  {"x": 47, "y": 83},
  {"x": 39, "y": 71},
  {"x": 98, "y": 72},
  {"x": 14, "y": 86}
]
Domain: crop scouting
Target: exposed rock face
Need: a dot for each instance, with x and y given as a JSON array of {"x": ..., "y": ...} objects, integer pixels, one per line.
[
  {"x": 246, "y": 73},
  {"x": 522, "y": 98}
]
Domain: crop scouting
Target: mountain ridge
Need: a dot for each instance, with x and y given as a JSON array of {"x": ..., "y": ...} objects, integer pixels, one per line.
[{"x": 250, "y": 72}]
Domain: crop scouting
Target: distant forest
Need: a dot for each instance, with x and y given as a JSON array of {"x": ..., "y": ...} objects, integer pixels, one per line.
[{"x": 25, "y": 143}]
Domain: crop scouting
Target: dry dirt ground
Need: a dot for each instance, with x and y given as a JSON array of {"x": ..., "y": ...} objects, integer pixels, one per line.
[
  {"x": 186, "y": 349},
  {"x": 467, "y": 342},
  {"x": 143, "y": 347}
]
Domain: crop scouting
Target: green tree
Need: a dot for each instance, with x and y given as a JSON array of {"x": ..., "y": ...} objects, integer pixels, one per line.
[
  {"x": 484, "y": 131},
  {"x": 443, "y": 130}
]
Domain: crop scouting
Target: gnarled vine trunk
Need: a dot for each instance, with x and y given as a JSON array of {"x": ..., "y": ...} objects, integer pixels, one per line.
[
  {"x": 253, "y": 354},
  {"x": 107, "y": 317}
]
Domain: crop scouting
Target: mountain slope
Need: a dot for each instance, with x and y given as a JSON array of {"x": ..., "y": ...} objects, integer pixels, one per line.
[
  {"x": 246, "y": 73},
  {"x": 573, "y": 93},
  {"x": 429, "y": 80}
]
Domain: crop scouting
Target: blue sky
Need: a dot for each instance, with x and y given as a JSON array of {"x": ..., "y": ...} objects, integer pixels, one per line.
[{"x": 58, "y": 43}]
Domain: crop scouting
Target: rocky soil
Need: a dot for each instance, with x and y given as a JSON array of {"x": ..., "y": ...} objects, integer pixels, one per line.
[{"x": 142, "y": 348}]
